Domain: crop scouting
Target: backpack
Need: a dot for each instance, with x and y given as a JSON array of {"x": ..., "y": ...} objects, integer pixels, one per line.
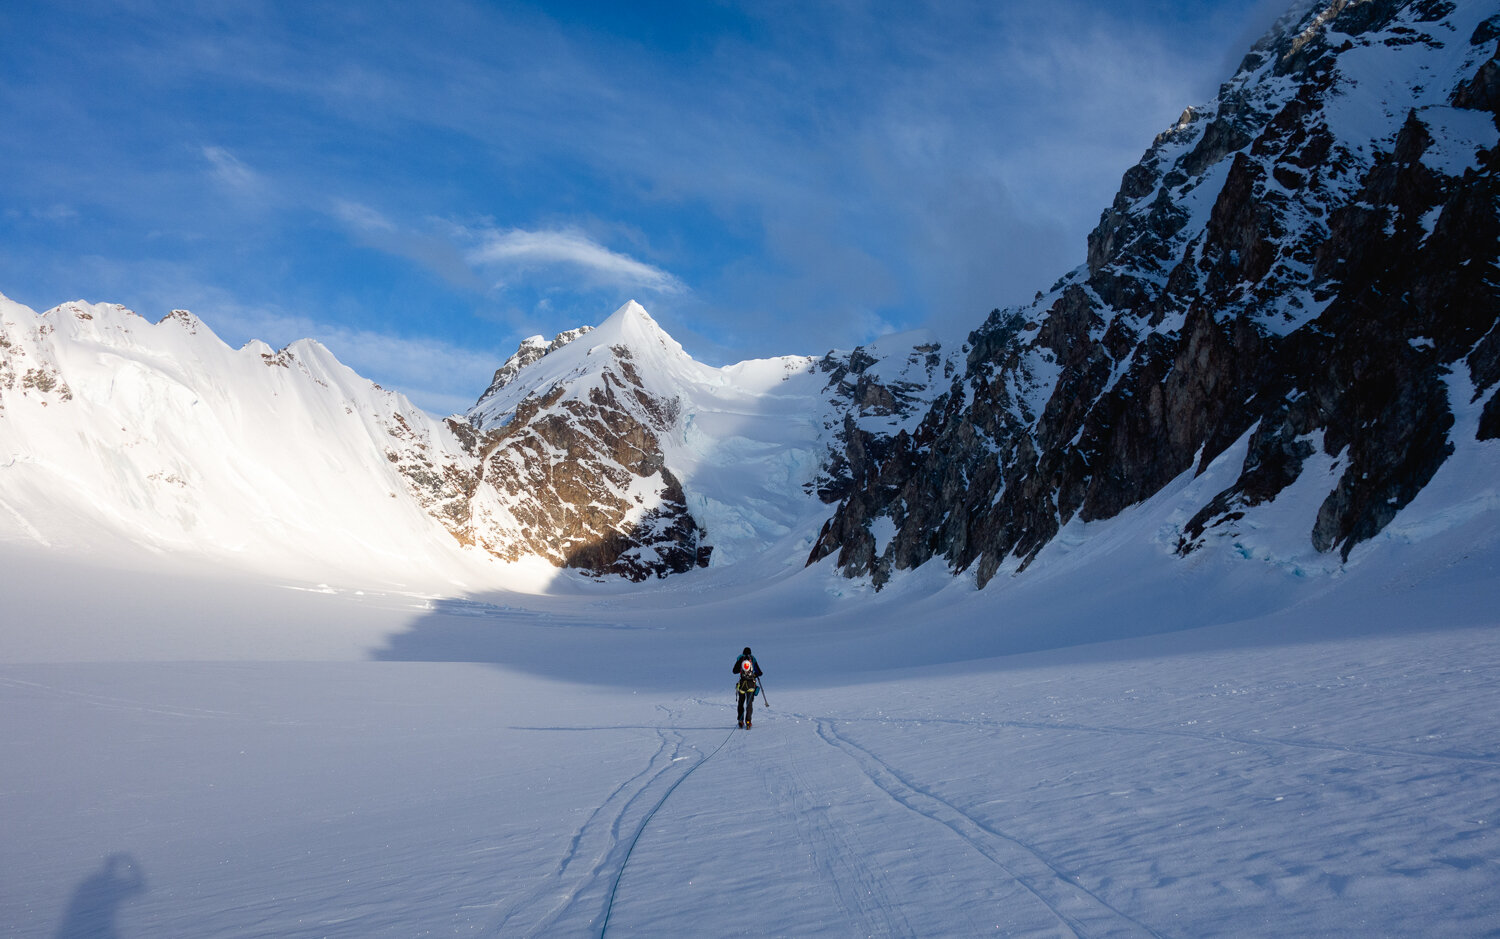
[{"x": 747, "y": 683}]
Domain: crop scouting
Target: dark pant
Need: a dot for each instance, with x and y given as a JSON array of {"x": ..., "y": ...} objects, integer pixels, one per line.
[{"x": 744, "y": 705}]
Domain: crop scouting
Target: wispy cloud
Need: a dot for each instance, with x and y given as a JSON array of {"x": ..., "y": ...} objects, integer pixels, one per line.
[
  {"x": 231, "y": 171},
  {"x": 437, "y": 253},
  {"x": 485, "y": 258},
  {"x": 517, "y": 249},
  {"x": 361, "y": 218}
]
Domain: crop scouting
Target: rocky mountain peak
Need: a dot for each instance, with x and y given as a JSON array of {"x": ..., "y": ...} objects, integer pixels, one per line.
[
  {"x": 571, "y": 465},
  {"x": 1295, "y": 268},
  {"x": 530, "y": 350}
]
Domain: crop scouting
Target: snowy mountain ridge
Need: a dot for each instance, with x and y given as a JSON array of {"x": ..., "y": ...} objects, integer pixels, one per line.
[
  {"x": 1293, "y": 295},
  {"x": 609, "y": 450},
  {"x": 122, "y": 434}
]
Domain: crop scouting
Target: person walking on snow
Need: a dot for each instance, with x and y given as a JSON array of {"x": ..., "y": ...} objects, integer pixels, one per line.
[{"x": 749, "y": 674}]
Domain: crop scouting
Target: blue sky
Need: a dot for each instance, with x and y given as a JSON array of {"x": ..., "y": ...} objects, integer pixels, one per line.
[{"x": 420, "y": 186}]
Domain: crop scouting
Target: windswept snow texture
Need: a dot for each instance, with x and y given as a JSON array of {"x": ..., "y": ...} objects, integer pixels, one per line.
[{"x": 239, "y": 758}]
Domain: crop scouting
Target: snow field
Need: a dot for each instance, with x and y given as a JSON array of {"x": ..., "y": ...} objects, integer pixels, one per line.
[
  {"x": 1297, "y": 775},
  {"x": 301, "y": 800}
]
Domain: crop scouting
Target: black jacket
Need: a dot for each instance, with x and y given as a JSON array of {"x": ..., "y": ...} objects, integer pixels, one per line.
[{"x": 754, "y": 665}]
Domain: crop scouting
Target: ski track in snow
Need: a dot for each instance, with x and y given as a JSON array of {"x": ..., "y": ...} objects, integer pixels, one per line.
[
  {"x": 641, "y": 829},
  {"x": 865, "y": 899},
  {"x": 1082, "y": 911},
  {"x": 863, "y": 894},
  {"x": 566, "y": 898},
  {"x": 605, "y": 842},
  {"x": 1256, "y": 741}
]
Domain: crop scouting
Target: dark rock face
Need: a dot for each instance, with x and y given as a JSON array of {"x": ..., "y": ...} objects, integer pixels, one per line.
[
  {"x": 1263, "y": 275},
  {"x": 868, "y": 408}
]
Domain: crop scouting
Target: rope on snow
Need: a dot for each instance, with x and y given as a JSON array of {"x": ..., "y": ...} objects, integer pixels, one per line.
[{"x": 609, "y": 907}]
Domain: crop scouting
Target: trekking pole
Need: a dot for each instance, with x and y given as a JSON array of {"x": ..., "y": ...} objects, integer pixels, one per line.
[{"x": 763, "y": 696}]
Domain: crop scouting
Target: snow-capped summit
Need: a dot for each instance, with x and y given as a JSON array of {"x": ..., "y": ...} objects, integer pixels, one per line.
[
  {"x": 631, "y": 325},
  {"x": 614, "y": 450},
  {"x": 628, "y": 333},
  {"x": 571, "y": 464}
]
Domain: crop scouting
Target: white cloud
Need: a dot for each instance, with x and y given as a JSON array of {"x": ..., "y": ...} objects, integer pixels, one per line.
[
  {"x": 521, "y": 249},
  {"x": 230, "y": 170},
  {"x": 436, "y": 253},
  {"x": 474, "y": 259},
  {"x": 361, "y": 217}
]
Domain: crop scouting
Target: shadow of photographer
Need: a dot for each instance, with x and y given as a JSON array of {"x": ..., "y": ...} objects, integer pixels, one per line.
[{"x": 97, "y": 899}]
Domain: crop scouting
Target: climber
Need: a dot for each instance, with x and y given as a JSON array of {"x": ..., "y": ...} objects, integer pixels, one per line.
[{"x": 748, "y": 674}]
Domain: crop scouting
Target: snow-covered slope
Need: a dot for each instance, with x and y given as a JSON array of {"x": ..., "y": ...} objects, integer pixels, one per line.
[
  {"x": 1312, "y": 756},
  {"x": 120, "y": 435}
]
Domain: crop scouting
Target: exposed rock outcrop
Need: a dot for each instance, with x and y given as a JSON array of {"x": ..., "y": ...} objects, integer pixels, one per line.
[
  {"x": 1281, "y": 267},
  {"x": 581, "y": 480}
]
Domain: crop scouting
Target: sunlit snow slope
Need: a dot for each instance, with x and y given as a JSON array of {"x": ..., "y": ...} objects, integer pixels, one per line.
[{"x": 120, "y": 435}]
